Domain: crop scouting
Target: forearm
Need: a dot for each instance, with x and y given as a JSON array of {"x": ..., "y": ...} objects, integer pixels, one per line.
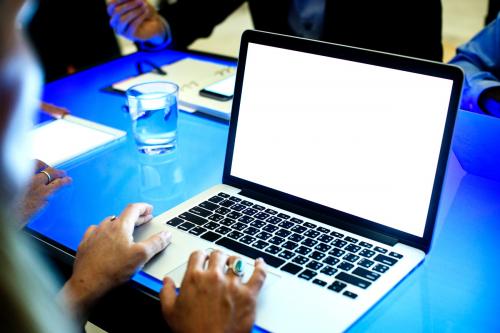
[{"x": 78, "y": 298}]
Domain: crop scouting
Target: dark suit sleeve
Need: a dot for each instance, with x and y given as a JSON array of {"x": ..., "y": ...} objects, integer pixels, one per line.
[{"x": 192, "y": 19}]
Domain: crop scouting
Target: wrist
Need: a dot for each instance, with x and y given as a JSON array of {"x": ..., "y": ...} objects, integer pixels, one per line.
[
  {"x": 79, "y": 296},
  {"x": 161, "y": 40}
]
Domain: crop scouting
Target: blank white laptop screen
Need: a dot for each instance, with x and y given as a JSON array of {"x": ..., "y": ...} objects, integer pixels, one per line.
[{"x": 358, "y": 138}]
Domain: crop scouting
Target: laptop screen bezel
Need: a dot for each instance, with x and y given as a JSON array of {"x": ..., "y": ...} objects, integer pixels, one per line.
[{"x": 326, "y": 214}]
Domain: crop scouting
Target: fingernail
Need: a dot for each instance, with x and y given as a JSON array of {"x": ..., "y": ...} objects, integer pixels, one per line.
[{"x": 166, "y": 234}]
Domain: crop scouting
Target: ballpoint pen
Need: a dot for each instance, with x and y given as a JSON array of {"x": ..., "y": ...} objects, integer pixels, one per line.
[{"x": 54, "y": 110}]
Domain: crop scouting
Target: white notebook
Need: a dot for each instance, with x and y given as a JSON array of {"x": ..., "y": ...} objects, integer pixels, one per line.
[
  {"x": 191, "y": 75},
  {"x": 64, "y": 139}
]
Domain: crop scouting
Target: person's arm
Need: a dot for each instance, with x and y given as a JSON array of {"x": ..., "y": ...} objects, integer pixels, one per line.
[
  {"x": 176, "y": 25},
  {"x": 480, "y": 60},
  {"x": 108, "y": 257}
]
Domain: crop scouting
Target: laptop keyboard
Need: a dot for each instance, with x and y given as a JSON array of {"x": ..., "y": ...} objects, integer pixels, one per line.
[{"x": 288, "y": 243}]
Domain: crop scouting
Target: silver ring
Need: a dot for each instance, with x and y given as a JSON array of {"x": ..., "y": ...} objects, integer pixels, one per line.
[
  {"x": 112, "y": 218},
  {"x": 49, "y": 177},
  {"x": 237, "y": 267}
]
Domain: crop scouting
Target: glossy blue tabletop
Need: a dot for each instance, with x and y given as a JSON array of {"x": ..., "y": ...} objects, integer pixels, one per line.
[{"x": 455, "y": 289}]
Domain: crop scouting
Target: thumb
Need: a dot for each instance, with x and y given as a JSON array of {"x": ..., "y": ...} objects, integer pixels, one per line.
[
  {"x": 156, "y": 243},
  {"x": 167, "y": 297}
]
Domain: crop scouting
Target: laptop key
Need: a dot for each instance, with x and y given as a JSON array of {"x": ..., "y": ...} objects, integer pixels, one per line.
[
  {"x": 309, "y": 242},
  {"x": 336, "y": 252},
  {"x": 263, "y": 235},
  {"x": 235, "y": 199},
  {"x": 322, "y": 247},
  {"x": 351, "y": 239},
  {"x": 319, "y": 282},
  {"x": 273, "y": 249},
  {"x": 238, "y": 207},
  {"x": 339, "y": 243},
  {"x": 276, "y": 240},
  {"x": 251, "y": 231},
  {"x": 331, "y": 260},
  {"x": 261, "y": 216},
  {"x": 301, "y": 260},
  {"x": 239, "y": 226},
  {"x": 352, "y": 248},
  {"x": 197, "y": 231},
  {"x": 381, "y": 268},
  {"x": 210, "y": 236},
  {"x": 316, "y": 255},
  {"x": 380, "y": 249},
  {"x": 283, "y": 233},
  {"x": 208, "y": 205},
  {"x": 290, "y": 245},
  {"x": 227, "y": 203},
  {"x": 323, "y": 230},
  {"x": 345, "y": 266},
  {"x": 247, "y": 203},
  {"x": 349, "y": 294},
  {"x": 303, "y": 250},
  {"x": 274, "y": 220},
  {"x": 215, "y": 217},
  {"x": 283, "y": 216},
  {"x": 224, "y": 195},
  {"x": 222, "y": 210},
  {"x": 351, "y": 257},
  {"x": 328, "y": 270},
  {"x": 337, "y": 286},
  {"x": 365, "y": 244},
  {"x": 291, "y": 268},
  {"x": 325, "y": 238},
  {"x": 299, "y": 229},
  {"x": 311, "y": 233},
  {"x": 175, "y": 222},
  {"x": 234, "y": 234},
  {"x": 260, "y": 244},
  {"x": 247, "y": 239},
  {"x": 246, "y": 219},
  {"x": 286, "y": 254},
  {"x": 366, "y": 253},
  {"x": 314, "y": 265},
  {"x": 250, "y": 252},
  {"x": 296, "y": 237},
  {"x": 366, "y": 274},
  {"x": 222, "y": 230},
  {"x": 307, "y": 274},
  {"x": 286, "y": 224},
  {"x": 351, "y": 279},
  {"x": 186, "y": 226},
  {"x": 270, "y": 228},
  {"x": 271, "y": 211},
  {"x": 234, "y": 215},
  {"x": 385, "y": 260},
  {"x": 216, "y": 199},
  {"x": 258, "y": 207},
  {"x": 365, "y": 263},
  {"x": 227, "y": 222},
  {"x": 258, "y": 224},
  {"x": 396, "y": 255},
  {"x": 296, "y": 220},
  {"x": 211, "y": 225},
  {"x": 193, "y": 218},
  {"x": 249, "y": 211},
  {"x": 336, "y": 234},
  {"x": 309, "y": 225}
]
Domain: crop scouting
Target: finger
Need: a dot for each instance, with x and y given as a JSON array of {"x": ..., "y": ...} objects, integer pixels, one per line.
[
  {"x": 121, "y": 11},
  {"x": 217, "y": 261},
  {"x": 168, "y": 296},
  {"x": 196, "y": 261},
  {"x": 125, "y": 20},
  {"x": 112, "y": 4},
  {"x": 40, "y": 165},
  {"x": 131, "y": 216},
  {"x": 258, "y": 276},
  {"x": 135, "y": 23},
  {"x": 57, "y": 184},
  {"x": 42, "y": 178},
  {"x": 90, "y": 230},
  {"x": 155, "y": 244}
]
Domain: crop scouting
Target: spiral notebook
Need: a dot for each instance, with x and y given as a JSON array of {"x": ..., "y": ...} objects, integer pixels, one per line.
[{"x": 59, "y": 141}]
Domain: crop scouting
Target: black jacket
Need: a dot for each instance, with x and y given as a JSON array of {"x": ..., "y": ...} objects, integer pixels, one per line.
[{"x": 397, "y": 26}]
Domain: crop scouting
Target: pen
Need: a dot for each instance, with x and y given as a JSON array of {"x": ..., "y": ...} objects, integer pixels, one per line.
[{"x": 54, "y": 110}]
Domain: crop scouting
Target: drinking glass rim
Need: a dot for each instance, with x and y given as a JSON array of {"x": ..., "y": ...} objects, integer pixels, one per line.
[{"x": 158, "y": 94}]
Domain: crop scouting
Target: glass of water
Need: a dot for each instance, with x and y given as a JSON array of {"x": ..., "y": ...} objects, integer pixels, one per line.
[{"x": 153, "y": 109}]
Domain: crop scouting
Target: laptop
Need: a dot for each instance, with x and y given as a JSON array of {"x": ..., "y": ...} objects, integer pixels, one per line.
[{"x": 333, "y": 172}]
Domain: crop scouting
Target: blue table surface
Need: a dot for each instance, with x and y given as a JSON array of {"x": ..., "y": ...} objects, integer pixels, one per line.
[{"x": 455, "y": 289}]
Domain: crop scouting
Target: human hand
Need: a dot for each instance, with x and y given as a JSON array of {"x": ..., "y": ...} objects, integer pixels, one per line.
[
  {"x": 108, "y": 256},
  {"x": 40, "y": 189},
  {"x": 211, "y": 300},
  {"x": 137, "y": 20}
]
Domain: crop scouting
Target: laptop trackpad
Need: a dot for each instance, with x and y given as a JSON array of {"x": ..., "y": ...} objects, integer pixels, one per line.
[{"x": 177, "y": 274}]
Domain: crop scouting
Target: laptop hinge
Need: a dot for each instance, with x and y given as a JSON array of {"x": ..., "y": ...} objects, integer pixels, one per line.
[{"x": 314, "y": 215}]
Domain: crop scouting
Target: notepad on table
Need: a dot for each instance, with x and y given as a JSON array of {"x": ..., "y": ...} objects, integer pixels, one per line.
[
  {"x": 64, "y": 139},
  {"x": 191, "y": 75}
]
